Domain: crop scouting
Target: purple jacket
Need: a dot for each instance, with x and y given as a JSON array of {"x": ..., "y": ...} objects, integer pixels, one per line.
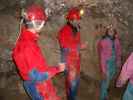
[
  {"x": 127, "y": 71},
  {"x": 105, "y": 52}
]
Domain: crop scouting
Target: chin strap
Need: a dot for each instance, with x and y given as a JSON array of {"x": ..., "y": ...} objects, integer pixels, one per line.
[
  {"x": 38, "y": 27},
  {"x": 20, "y": 24}
]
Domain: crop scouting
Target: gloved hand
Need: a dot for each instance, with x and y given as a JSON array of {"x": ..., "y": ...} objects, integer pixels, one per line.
[
  {"x": 120, "y": 82},
  {"x": 38, "y": 76}
]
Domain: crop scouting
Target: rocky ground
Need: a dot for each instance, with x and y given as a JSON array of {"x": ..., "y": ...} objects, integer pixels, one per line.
[{"x": 89, "y": 89}]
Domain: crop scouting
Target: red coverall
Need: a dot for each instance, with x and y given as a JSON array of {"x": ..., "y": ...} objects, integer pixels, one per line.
[
  {"x": 70, "y": 55},
  {"x": 27, "y": 55}
]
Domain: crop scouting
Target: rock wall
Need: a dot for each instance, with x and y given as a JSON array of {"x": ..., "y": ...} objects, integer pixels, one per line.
[{"x": 97, "y": 13}]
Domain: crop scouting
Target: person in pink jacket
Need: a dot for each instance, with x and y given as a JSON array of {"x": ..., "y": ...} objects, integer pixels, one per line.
[
  {"x": 125, "y": 75},
  {"x": 109, "y": 51}
]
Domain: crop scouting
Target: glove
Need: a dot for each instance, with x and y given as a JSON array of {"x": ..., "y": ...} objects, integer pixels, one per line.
[
  {"x": 120, "y": 83},
  {"x": 38, "y": 76}
]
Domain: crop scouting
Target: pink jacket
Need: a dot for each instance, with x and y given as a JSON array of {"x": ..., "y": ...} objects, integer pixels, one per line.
[
  {"x": 105, "y": 52},
  {"x": 127, "y": 70}
]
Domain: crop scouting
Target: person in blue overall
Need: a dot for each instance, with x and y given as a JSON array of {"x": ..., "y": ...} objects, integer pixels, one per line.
[{"x": 109, "y": 50}]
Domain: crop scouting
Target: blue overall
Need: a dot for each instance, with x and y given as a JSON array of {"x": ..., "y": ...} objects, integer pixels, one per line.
[
  {"x": 71, "y": 85},
  {"x": 128, "y": 95},
  {"x": 30, "y": 85},
  {"x": 111, "y": 70},
  {"x": 72, "y": 89}
]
